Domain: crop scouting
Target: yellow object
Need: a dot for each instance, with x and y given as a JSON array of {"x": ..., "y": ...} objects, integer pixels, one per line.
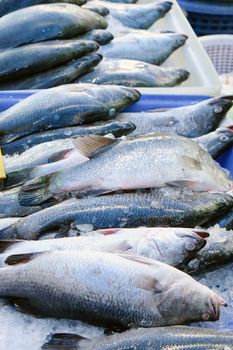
[{"x": 2, "y": 167}]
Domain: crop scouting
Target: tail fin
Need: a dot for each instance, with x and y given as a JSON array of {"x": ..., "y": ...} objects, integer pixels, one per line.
[
  {"x": 9, "y": 232},
  {"x": 35, "y": 192},
  {"x": 64, "y": 341},
  {"x": 17, "y": 178}
]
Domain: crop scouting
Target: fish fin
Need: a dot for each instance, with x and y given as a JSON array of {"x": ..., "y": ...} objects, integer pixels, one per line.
[
  {"x": 65, "y": 341},
  {"x": 92, "y": 192},
  {"x": 192, "y": 163},
  {"x": 5, "y": 244},
  {"x": 59, "y": 155},
  {"x": 138, "y": 258},
  {"x": 23, "y": 305},
  {"x": 21, "y": 258},
  {"x": 35, "y": 191},
  {"x": 9, "y": 232},
  {"x": 181, "y": 183},
  {"x": 17, "y": 178},
  {"x": 108, "y": 231},
  {"x": 88, "y": 145}
]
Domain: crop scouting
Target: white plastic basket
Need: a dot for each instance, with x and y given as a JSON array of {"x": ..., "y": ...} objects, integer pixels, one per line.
[
  {"x": 203, "y": 79},
  {"x": 220, "y": 50}
]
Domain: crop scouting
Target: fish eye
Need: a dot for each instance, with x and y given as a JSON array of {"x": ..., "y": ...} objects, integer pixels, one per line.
[
  {"x": 205, "y": 316},
  {"x": 190, "y": 245},
  {"x": 218, "y": 110},
  {"x": 223, "y": 138}
]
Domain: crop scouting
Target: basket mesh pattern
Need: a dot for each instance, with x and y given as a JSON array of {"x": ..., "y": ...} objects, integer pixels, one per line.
[{"x": 222, "y": 57}]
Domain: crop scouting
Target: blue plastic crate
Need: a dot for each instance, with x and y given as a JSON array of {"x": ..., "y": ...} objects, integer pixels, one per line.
[
  {"x": 8, "y": 99},
  {"x": 209, "y": 17}
]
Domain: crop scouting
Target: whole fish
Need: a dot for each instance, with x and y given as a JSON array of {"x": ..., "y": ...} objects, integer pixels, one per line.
[
  {"x": 151, "y": 47},
  {"x": 190, "y": 121},
  {"x": 9, "y": 205},
  {"x": 102, "y": 37},
  {"x": 218, "y": 251},
  {"x": 170, "y": 159},
  {"x": 217, "y": 141},
  {"x": 121, "y": 290},
  {"x": 134, "y": 73},
  {"x": 115, "y": 128},
  {"x": 159, "y": 338},
  {"x": 225, "y": 221},
  {"x": 7, "y": 6},
  {"x": 139, "y": 16},
  {"x": 173, "y": 246},
  {"x": 65, "y": 105},
  {"x": 160, "y": 207},
  {"x": 30, "y": 59},
  {"x": 46, "y": 22},
  {"x": 63, "y": 74}
]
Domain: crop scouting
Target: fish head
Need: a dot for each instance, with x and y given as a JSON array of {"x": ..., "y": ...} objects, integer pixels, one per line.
[
  {"x": 177, "y": 40},
  {"x": 189, "y": 301},
  {"x": 225, "y": 134}
]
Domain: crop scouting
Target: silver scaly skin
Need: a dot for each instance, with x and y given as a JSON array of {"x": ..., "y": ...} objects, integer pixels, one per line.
[{"x": 120, "y": 290}]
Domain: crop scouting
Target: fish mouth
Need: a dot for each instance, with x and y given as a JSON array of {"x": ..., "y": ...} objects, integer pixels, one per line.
[
  {"x": 221, "y": 104},
  {"x": 197, "y": 239},
  {"x": 216, "y": 302}
]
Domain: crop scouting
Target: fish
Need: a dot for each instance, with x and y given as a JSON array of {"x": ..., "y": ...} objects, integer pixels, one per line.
[
  {"x": 102, "y": 37},
  {"x": 134, "y": 73},
  {"x": 224, "y": 221},
  {"x": 218, "y": 251},
  {"x": 46, "y": 22},
  {"x": 142, "y": 292},
  {"x": 62, "y": 74},
  {"x": 169, "y": 206},
  {"x": 159, "y": 338},
  {"x": 113, "y": 127},
  {"x": 31, "y": 59},
  {"x": 10, "y": 207},
  {"x": 148, "y": 47},
  {"x": 217, "y": 141},
  {"x": 64, "y": 105},
  {"x": 146, "y": 14},
  {"x": 173, "y": 246},
  {"x": 8, "y": 6},
  {"x": 6, "y": 222},
  {"x": 190, "y": 121},
  {"x": 170, "y": 160}
]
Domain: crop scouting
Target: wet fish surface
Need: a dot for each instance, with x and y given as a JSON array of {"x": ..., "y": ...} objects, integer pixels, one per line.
[
  {"x": 102, "y": 37},
  {"x": 173, "y": 246},
  {"x": 65, "y": 105},
  {"x": 160, "y": 338},
  {"x": 46, "y": 22},
  {"x": 139, "y": 16},
  {"x": 225, "y": 221},
  {"x": 149, "y": 293},
  {"x": 171, "y": 159},
  {"x": 148, "y": 47},
  {"x": 116, "y": 128},
  {"x": 63, "y": 74},
  {"x": 160, "y": 207},
  {"x": 7, "y": 6},
  {"x": 34, "y": 58},
  {"x": 190, "y": 121},
  {"x": 134, "y": 73},
  {"x": 217, "y": 141}
]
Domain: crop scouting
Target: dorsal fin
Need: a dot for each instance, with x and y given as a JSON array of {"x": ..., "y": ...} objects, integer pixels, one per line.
[
  {"x": 21, "y": 258},
  {"x": 88, "y": 145},
  {"x": 64, "y": 341}
]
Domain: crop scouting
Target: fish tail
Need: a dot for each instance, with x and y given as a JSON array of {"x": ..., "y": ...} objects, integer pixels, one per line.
[
  {"x": 9, "y": 232},
  {"x": 35, "y": 191},
  {"x": 17, "y": 178},
  {"x": 65, "y": 341}
]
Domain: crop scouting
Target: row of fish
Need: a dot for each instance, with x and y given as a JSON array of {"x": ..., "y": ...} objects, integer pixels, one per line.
[{"x": 60, "y": 45}]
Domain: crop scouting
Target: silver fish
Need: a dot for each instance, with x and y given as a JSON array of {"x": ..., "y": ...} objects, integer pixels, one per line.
[
  {"x": 139, "y": 16},
  {"x": 102, "y": 37},
  {"x": 168, "y": 206},
  {"x": 171, "y": 159},
  {"x": 173, "y": 246},
  {"x": 190, "y": 121},
  {"x": 121, "y": 290},
  {"x": 65, "y": 105},
  {"x": 6, "y": 222},
  {"x": 148, "y": 47},
  {"x": 160, "y": 338},
  {"x": 134, "y": 73}
]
